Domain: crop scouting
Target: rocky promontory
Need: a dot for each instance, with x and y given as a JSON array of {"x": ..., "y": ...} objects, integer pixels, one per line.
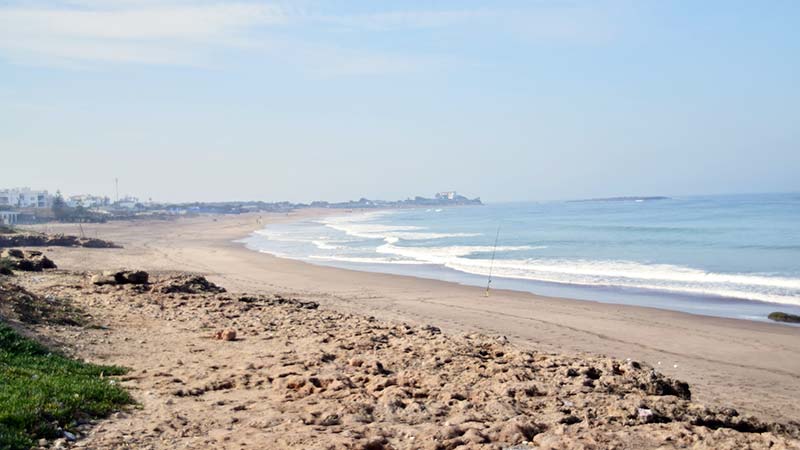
[{"x": 57, "y": 240}]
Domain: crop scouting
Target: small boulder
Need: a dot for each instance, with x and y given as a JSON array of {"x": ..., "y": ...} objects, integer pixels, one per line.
[
  {"x": 28, "y": 261},
  {"x": 12, "y": 253},
  {"x": 132, "y": 277},
  {"x": 190, "y": 284},
  {"x": 103, "y": 279},
  {"x": 226, "y": 335},
  {"x": 110, "y": 277},
  {"x": 42, "y": 262},
  {"x": 784, "y": 317},
  {"x": 432, "y": 329}
]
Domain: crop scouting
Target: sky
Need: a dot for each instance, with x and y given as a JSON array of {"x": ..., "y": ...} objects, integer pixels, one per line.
[{"x": 195, "y": 100}]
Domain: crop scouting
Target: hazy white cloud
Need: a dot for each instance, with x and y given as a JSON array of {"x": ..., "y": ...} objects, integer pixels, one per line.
[
  {"x": 189, "y": 32},
  {"x": 402, "y": 19},
  {"x": 329, "y": 60},
  {"x": 154, "y": 22},
  {"x": 540, "y": 21},
  {"x": 140, "y": 31}
]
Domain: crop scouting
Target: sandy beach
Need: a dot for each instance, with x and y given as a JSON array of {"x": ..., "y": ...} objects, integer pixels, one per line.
[
  {"x": 751, "y": 366},
  {"x": 416, "y": 225}
]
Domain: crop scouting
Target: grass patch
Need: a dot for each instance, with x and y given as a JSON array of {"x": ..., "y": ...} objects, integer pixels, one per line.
[
  {"x": 6, "y": 266},
  {"x": 41, "y": 390},
  {"x": 5, "y": 229}
]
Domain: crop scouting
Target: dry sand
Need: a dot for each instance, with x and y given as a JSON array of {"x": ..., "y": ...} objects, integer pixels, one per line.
[{"x": 754, "y": 367}]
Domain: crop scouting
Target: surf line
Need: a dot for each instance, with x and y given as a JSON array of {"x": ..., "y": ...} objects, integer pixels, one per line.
[{"x": 491, "y": 264}]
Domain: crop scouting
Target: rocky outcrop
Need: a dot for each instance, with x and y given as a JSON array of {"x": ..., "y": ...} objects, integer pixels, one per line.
[
  {"x": 225, "y": 335},
  {"x": 279, "y": 300},
  {"x": 121, "y": 277},
  {"x": 27, "y": 261},
  {"x": 17, "y": 304},
  {"x": 784, "y": 317},
  {"x": 189, "y": 284},
  {"x": 57, "y": 240}
]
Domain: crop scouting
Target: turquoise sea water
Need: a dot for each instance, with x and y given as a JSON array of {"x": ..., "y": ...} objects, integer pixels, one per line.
[{"x": 730, "y": 256}]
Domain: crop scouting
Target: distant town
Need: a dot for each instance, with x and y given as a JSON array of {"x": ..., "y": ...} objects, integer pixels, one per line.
[{"x": 25, "y": 205}]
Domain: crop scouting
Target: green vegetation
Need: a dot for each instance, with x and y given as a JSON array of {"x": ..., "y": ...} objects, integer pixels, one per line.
[
  {"x": 6, "y": 266},
  {"x": 66, "y": 213},
  {"x": 7, "y": 229},
  {"x": 784, "y": 317},
  {"x": 41, "y": 391}
]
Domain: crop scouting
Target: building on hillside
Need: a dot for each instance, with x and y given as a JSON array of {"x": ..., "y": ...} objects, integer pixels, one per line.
[
  {"x": 447, "y": 195},
  {"x": 24, "y": 198},
  {"x": 87, "y": 201},
  {"x": 127, "y": 202},
  {"x": 9, "y": 217}
]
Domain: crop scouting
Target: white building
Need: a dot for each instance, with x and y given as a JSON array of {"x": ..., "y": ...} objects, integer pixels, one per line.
[
  {"x": 86, "y": 201},
  {"x": 127, "y": 202},
  {"x": 449, "y": 195},
  {"x": 8, "y": 217},
  {"x": 24, "y": 198}
]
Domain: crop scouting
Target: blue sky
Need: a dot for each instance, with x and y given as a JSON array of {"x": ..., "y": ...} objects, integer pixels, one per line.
[{"x": 303, "y": 100}]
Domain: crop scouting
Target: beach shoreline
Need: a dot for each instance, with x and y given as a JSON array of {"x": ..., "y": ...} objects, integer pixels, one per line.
[
  {"x": 703, "y": 269},
  {"x": 717, "y": 356}
]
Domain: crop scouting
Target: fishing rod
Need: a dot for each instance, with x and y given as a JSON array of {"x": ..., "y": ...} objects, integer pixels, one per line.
[{"x": 491, "y": 265}]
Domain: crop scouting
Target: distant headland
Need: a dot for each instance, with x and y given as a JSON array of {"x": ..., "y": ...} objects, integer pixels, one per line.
[
  {"x": 620, "y": 199},
  {"x": 447, "y": 198}
]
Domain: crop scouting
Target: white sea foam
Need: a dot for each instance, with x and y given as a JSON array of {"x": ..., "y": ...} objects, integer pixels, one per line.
[
  {"x": 641, "y": 276},
  {"x": 606, "y": 273},
  {"x": 365, "y": 260},
  {"x": 624, "y": 274},
  {"x": 279, "y": 236},
  {"x": 356, "y": 226},
  {"x": 326, "y": 243},
  {"x": 443, "y": 255},
  {"x": 321, "y": 242}
]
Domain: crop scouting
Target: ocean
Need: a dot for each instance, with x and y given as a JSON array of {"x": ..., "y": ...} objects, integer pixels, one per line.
[{"x": 732, "y": 256}]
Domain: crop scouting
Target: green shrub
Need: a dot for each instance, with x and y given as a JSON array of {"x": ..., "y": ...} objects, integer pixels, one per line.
[
  {"x": 6, "y": 266},
  {"x": 41, "y": 390}
]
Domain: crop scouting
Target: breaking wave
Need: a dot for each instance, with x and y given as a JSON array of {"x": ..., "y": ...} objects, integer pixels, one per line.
[
  {"x": 625, "y": 274},
  {"x": 355, "y": 226},
  {"x": 365, "y": 260}
]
